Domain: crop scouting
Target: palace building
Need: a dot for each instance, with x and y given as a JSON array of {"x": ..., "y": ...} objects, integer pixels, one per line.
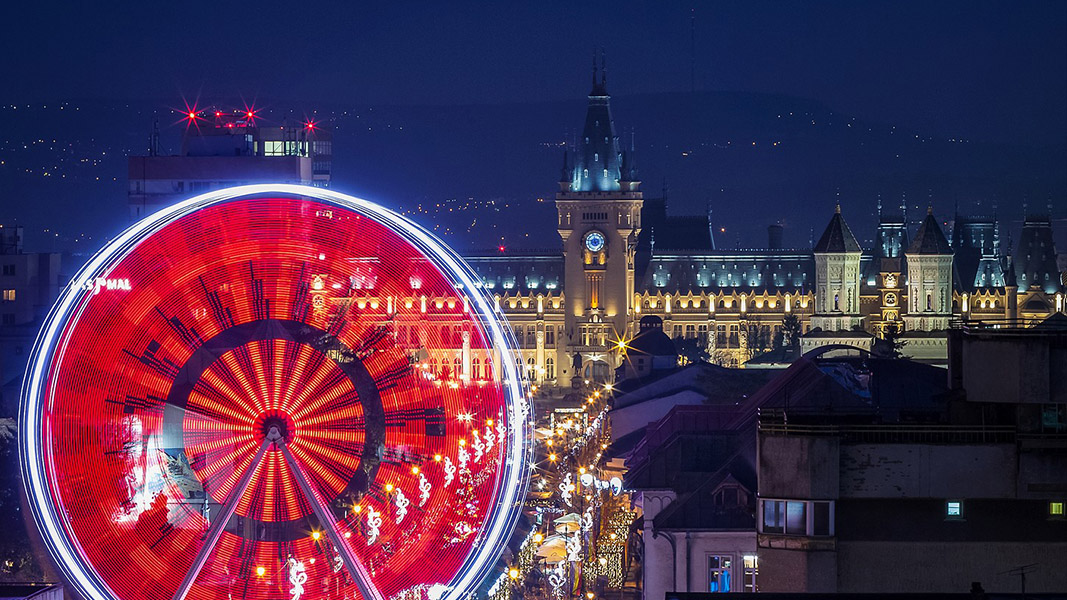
[
  {"x": 574, "y": 308},
  {"x": 622, "y": 258}
]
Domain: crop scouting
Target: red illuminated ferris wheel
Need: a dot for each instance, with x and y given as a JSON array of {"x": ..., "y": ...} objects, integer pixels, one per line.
[{"x": 233, "y": 400}]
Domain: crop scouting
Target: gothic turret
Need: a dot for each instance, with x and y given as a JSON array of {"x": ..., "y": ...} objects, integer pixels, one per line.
[
  {"x": 929, "y": 259},
  {"x": 837, "y": 277},
  {"x": 1035, "y": 261},
  {"x": 598, "y": 160}
]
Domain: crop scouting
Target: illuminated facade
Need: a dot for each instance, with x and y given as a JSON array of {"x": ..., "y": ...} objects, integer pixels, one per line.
[{"x": 622, "y": 258}]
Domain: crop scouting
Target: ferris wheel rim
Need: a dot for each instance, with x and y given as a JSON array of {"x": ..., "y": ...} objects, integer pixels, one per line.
[{"x": 32, "y": 443}]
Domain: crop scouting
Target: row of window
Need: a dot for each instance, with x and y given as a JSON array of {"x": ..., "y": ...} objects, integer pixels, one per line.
[
  {"x": 529, "y": 339},
  {"x": 9, "y": 270},
  {"x": 721, "y": 573},
  {"x": 954, "y": 510},
  {"x": 797, "y": 517},
  {"x": 815, "y": 518}
]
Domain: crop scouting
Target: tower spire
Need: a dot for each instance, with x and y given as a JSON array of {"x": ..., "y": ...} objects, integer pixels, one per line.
[
  {"x": 594, "y": 69},
  {"x": 603, "y": 69}
]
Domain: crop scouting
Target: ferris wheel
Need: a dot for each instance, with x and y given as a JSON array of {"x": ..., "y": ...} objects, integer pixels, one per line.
[{"x": 240, "y": 397}]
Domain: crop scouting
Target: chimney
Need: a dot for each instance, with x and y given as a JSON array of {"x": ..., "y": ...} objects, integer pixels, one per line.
[{"x": 774, "y": 236}]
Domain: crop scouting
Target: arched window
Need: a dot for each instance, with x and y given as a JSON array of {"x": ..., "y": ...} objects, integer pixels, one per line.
[
  {"x": 433, "y": 366},
  {"x": 837, "y": 299},
  {"x": 550, "y": 368},
  {"x": 476, "y": 368},
  {"x": 530, "y": 370}
]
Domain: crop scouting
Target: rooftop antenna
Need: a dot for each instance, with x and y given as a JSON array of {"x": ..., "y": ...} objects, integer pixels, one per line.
[
  {"x": 1022, "y": 572},
  {"x": 692, "y": 50},
  {"x": 879, "y": 205},
  {"x": 603, "y": 69},
  {"x": 594, "y": 66},
  {"x": 996, "y": 230},
  {"x": 711, "y": 225},
  {"x": 153, "y": 138}
]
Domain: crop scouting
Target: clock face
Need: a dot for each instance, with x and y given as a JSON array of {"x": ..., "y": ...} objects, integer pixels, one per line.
[
  {"x": 594, "y": 241},
  {"x": 241, "y": 398},
  {"x": 890, "y": 299}
]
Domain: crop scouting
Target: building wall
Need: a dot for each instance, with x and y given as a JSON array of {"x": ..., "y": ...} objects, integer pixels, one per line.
[
  {"x": 1013, "y": 367},
  {"x": 804, "y": 468},
  {"x": 928, "y": 471},
  {"x": 789, "y": 570},
  {"x": 892, "y": 529},
  {"x": 949, "y": 567}
]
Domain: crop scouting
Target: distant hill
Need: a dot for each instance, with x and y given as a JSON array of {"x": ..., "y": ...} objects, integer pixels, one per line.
[{"x": 754, "y": 158}]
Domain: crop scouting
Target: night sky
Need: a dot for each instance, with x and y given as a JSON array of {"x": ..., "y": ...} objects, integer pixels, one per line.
[{"x": 992, "y": 72}]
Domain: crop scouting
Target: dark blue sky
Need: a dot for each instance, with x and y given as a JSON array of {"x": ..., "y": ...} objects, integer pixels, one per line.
[
  {"x": 994, "y": 70},
  {"x": 993, "y": 74}
]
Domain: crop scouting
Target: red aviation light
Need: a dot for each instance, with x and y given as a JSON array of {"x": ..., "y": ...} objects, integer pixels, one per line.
[{"x": 206, "y": 421}]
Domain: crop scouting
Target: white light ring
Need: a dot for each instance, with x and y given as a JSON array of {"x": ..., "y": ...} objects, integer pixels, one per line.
[{"x": 515, "y": 476}]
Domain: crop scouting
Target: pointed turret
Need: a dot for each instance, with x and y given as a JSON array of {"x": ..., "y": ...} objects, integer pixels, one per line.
[
  {"x": 1035, "y": 260},
  {"x": 930, "y": 239},
  {"x": 598, "y": 160},
  {"x": 837, "y": 237},
  {"x": 837, "y": 278},
  {"x": 929, "y": 259}
]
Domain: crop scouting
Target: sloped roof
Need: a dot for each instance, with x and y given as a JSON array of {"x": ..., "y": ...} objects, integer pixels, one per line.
[
  {"x": 720, "y": 384},
  {"x": 651, "y": 341},
  {"x": 930, "y": 239},
  {"x": 697, "y": 510},
  {"x": 1035, "y": 261},
  {"x": 598, "y": 160},
  {"x": 837, "y": 237}
]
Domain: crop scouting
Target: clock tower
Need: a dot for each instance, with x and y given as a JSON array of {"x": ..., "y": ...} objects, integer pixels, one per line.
[{"x": 599, "y": 210}]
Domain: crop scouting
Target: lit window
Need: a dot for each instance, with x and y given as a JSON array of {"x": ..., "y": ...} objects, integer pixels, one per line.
[
  {"x": 1055, "y": 509},
  {"x": 9, "y": 295},
  {"x": 773, "y": 516},
  {"x": 719, "y": 573},
  {"x": 751, "y": 564},
  {"x": 796, "y": 518},
  {"x": 954, "y": 509}
]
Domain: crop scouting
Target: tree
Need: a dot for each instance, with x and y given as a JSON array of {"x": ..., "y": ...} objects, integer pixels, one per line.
[
  {"x": 889, "y": 345},
  {"x": 791, "y": 330},
  {"x": 691, "y": 350}
]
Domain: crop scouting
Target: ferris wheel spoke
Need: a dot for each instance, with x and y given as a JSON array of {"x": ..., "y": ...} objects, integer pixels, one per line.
[
  {"x": 213, "y": 534},
  {"x": 352, "y": 564}
]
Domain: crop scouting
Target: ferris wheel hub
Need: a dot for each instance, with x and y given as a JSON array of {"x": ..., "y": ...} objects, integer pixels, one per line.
[{"x": 276, "y": 422}]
